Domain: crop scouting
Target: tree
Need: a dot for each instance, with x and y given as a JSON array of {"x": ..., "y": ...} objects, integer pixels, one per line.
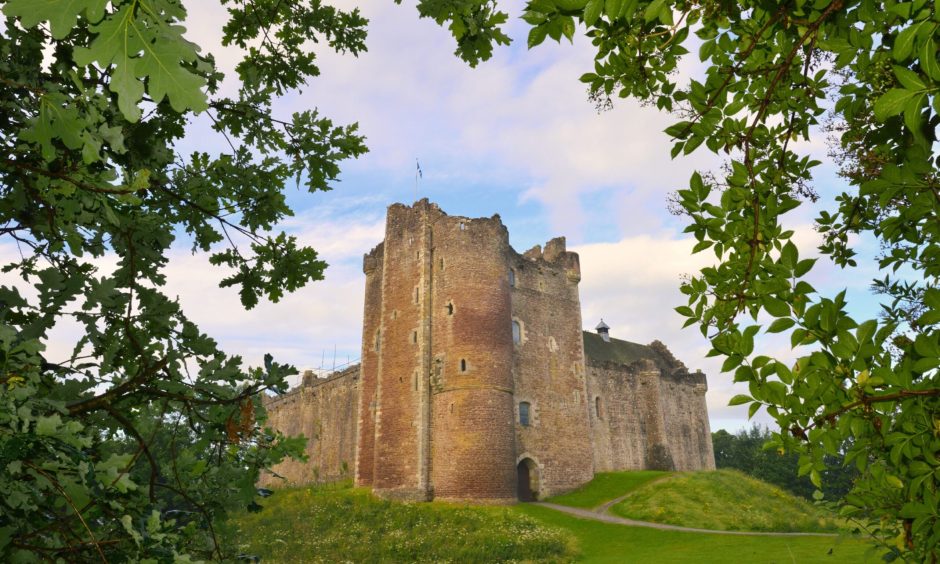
[
  {"x": 772, "y": 71},
  {"x": 747, "y": 451},
  {"x": 136, "y": 444}
]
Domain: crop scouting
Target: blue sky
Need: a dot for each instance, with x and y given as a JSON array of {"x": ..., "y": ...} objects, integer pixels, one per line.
[{"x": 515, "y": 136}]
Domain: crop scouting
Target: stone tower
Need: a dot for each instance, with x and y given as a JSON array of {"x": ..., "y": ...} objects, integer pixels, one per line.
[
  {"x": 436, "y": 407},
  {"x": 477, "y": 382}
]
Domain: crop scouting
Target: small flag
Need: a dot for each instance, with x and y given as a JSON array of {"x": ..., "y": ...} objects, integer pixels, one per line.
[{"x": 417, "y": 164}]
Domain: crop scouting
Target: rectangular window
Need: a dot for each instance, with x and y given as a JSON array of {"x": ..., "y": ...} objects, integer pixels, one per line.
[{"x": 524, "y": 414}]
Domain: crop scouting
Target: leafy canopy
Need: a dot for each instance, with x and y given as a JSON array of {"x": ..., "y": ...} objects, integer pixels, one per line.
[
  {"x": 136, "y": 443},
  {"x": 773, "y": 70}
]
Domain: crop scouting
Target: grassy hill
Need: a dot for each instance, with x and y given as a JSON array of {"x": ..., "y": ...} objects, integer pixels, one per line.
[
  {"x": 725, "y": 500},
  {"x": 344, "y": 524},
  {"x": 606, "y": 486}
]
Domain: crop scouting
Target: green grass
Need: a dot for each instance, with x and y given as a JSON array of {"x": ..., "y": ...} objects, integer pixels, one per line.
[
  {"x": 723, "y": 500},
  {"x": 344, "y": 524},
  {"x": 604, "y": 542},
  {"x": 330, "y": 524},
  {"x": 606, "y": 486}
]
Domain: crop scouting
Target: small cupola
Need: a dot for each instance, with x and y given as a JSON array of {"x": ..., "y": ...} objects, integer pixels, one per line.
[{"x": 603, "y": 330}]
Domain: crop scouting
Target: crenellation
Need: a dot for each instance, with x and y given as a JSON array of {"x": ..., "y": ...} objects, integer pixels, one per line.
[{"x": 477, "y": 383}]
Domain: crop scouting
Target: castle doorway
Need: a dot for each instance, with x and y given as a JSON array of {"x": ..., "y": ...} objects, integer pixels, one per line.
[{"x": 528, "y": 480}]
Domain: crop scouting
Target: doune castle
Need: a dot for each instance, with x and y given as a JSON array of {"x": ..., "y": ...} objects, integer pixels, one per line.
[{"x": 476, "y": 380}]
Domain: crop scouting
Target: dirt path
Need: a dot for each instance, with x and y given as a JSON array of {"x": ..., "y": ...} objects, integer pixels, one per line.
[{"x": 600, "y": 514}]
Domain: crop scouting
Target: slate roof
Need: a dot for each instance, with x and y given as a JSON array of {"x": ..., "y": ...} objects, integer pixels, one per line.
[{"x": 617, "y": 351}]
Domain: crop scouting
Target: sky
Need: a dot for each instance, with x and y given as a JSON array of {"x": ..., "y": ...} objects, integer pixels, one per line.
[{"x": 515, "y": 136}]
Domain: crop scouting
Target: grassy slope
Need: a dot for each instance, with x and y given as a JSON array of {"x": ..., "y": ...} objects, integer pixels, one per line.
[
  {"x": 329, "y": 524},
  {"x": 602, "y": 542},
  {"x": 324, "y": 524},
  {"x": 724, "y": 500},
  {"x": 606, "y": 486}
]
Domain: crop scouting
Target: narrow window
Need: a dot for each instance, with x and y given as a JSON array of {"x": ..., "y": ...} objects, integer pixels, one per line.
[
  {"x": 416, "y": 294},
  {"x": 414, "y": 337},
  {"x": 597, "y": 407},
  {"x": 524, "y": 414},
  {"x": 416, "y": 380},
  {"x": 516, "y": 332},
  {"x": 378, "y": 340},
  {"x": 442, "y": 264},
  {"x": 463, "y": 226},
  {"x": 450, "y": 308},
  {"x": 463, "y": 365},
  {"x": 512, "y": 277}
]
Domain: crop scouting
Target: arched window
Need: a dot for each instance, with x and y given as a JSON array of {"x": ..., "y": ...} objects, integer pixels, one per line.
[
  {"x": 524, "y": 413},
  {"x": 597, "y": 407},
  {"x": 516, "y": 332},
  {"x": 463, "y": 365}
]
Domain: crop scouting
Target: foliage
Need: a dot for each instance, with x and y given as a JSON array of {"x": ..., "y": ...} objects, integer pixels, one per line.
[
  {"x": 136, "y": 443},
  {"x": 606, "y": 486},
  {"x": 745, "y": 451},
  {"x": 724, "y": 500},
  {"x": 331, "y": 524},
  {"x": 771, "y": 71}
]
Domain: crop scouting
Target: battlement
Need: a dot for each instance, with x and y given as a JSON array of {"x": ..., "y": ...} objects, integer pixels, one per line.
[{"x": 309, "y": 382}]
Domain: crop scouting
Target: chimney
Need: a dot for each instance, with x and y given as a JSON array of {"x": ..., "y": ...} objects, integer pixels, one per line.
[{"x": 603, "y": 330}]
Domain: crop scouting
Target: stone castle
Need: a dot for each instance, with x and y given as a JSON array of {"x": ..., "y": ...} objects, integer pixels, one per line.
[{"x": 476, "y": 380}]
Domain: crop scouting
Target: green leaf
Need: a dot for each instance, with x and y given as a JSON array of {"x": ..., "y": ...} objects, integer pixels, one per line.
[
  {"x": 904, "y": 43},
  {"x": 909, "y": 79},
  {"x": 752, "y": 409},
  {"x": 61, "y": 14},
  {"x": 781, "y": 324},
  {"x": 928, "y": 59},
  {"x": 653, "y": 10},
  {"x": 537, "y": 35},
  {"x": 592, "y": 11},
  {"x": 161, "y": 63},
  {"x": 892, "y": 102},
  {"x": 47, "y": 426},
  {"x": 740, "y": 399},
  {"x": 612, "y": 8},
  {"x": 775, "y": 307}
]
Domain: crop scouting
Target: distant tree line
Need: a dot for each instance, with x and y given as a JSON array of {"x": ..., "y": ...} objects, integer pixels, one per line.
[{"x": 744, "y": 451}]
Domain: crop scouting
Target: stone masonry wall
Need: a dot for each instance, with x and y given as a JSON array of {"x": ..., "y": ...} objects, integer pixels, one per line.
[
  {"x": 371, "y": 340},
  {"x": 646, "y": 417},
  {"x": 325, "y": 411},
  {"x": 470, "y": 360},
  {"x": 399, "y": 469},
  {"x": 687, "y": 429},
  {"x": 548, "y": 368}
]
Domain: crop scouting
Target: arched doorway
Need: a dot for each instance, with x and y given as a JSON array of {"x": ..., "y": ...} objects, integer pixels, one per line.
[{"x": 528, "y": 480}]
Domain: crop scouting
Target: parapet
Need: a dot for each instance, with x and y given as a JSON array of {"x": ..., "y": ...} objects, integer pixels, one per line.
[
  {"x": 557, "y": 256},
  {"x": 310, "y": 381},
  {"x": 372, "y": 259}
]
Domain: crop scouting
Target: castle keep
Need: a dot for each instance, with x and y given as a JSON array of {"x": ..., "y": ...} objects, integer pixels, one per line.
[{"x": 477, "y": 382}]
